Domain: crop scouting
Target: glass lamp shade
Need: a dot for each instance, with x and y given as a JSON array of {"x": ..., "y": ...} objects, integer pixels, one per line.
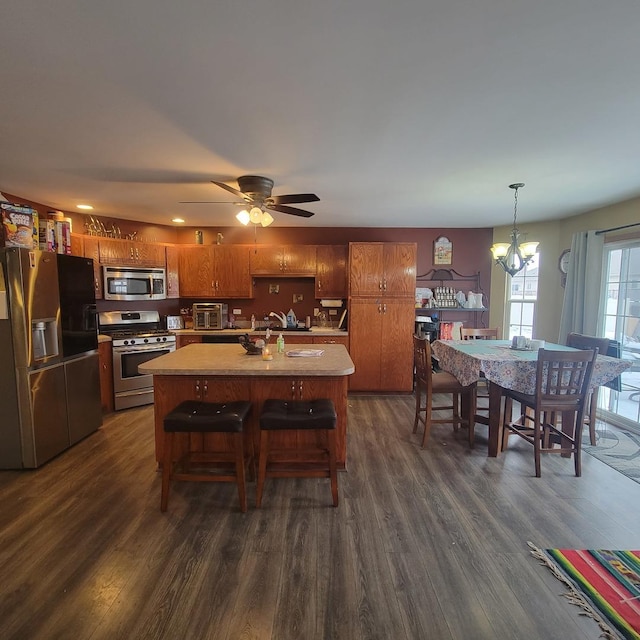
[
  {"x": 529, "y": 249},
  {"x": 499, "y": 249},
  {"x": 255, "y": 215},
  {"x": 243, "y": 217},
  {"x": 267, "y": 219}
]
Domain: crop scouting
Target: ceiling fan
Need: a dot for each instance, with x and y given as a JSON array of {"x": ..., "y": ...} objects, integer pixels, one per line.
[{"x": 256, "y": 192}]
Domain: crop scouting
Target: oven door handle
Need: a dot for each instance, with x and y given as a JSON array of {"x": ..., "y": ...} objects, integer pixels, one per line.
[{"x": 158, "y": 346}]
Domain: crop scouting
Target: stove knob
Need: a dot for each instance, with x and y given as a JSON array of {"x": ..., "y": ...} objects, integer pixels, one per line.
[
  {"x": 129, "y": 341},
  {"x": 126, "y": 342},
  {"x": 164, "y": 338},
  {"x": 146, "y": 340}
]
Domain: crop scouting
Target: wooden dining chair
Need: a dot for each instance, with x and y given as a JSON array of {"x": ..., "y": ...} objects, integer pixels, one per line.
[
  {"x": 428, "y": 383},
  {"x": 562, "y": 387},
  {"x": 581, "y": 341},
  {"x": 481, "y": 389}
]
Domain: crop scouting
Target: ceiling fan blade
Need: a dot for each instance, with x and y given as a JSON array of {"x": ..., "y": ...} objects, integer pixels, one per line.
[
  {"x": 294, "y": 211},
  {"x": 241, "y": 204},
  {"x": 294, "y": 198},
  {"x": 232, "y": 190}
]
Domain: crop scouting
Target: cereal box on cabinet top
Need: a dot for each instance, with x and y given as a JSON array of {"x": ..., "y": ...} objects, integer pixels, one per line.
[{"x": 18, "y": 225}]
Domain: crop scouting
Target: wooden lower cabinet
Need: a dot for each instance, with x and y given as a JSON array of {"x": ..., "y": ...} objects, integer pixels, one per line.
[
  {"x": 332, "y": 340},
  {"x": 169, "y": 391},
  {"x": 381, "y": 344},
  {"x": 105, "y": 362},
  {"x": 183, "y": 341}
]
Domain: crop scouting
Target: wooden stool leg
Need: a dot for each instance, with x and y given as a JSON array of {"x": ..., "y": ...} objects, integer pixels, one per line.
[
  {"x": 263, "y": 453},
  {"x": 333, "y": 468},
  {"x": 240, "y": 476},
  {"x": 167, "y": 465}
]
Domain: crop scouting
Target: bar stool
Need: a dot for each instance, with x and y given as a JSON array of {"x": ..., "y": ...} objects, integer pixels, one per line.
[
  {"x": 282, "y": 415},
  {"x": 192, "y": 416}
]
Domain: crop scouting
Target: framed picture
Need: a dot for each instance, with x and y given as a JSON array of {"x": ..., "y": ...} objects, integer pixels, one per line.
[{"x": 442, "y": 251}]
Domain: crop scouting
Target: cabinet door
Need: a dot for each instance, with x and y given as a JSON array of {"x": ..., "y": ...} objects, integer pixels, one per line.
[
  {"x": 399, "y": 278},
  {"x": 148, "y": 254},
  {"x": 173, "y": 270},
  {"x": 332, "y": 340},
  {"x": 116, "y": 251},
  {"x": 299, "y": 260},
  {"x": 92, "y": 250},
  {"x": 77, "y": 244},
  {"x": 184, "y": 340},
  {"x": 265, "y": 260},
  {"x": 396, "y": 345},
  {"x": 331, "y": 271},
  {"x": 196, "y": 272},
  {"x": 231, "y": 276},
  {"x": 365, "y": 335},
  {"x": 365, "y": 268}
]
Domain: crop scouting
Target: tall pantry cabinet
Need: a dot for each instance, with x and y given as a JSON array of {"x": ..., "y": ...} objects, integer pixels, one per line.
[{"x": 382, "y": 283}]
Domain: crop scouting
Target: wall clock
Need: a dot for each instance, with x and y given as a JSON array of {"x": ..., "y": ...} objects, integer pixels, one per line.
[
  {"x": 563, "y": 262},
  {"x": 563, "y": 265}
]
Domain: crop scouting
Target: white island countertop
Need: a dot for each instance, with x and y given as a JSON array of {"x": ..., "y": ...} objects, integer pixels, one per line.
[{"x": 232, "y": 360}]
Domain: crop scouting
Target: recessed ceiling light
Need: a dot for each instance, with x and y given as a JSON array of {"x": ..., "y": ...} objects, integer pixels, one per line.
[
  {"x": 177, "y": 220},
  {"x": 84, "y": 206}
]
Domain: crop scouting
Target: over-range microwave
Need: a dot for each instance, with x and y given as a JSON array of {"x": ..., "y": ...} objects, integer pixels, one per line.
[
  {"x": 210, "y": 315},
  {"x": 134, "y": 283}
]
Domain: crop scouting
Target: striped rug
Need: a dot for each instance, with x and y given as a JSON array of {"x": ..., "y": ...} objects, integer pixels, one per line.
[{"x": 605, "y": 583}]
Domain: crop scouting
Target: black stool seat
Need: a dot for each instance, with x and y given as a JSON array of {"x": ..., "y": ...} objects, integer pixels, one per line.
[
  {"x": 299, "y": 414},
  {"x": 187, "y": 464},
  {"x": 304, "y": 415},
  {"x": 195, "y": 416}
]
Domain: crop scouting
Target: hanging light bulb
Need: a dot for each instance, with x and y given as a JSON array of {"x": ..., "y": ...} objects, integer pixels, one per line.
[
  {"x": 267, "y": 219},
  {"x": 513, "y": 256},
  {"x": 255, "y": 215},
  {"x": 243, "y": 217}
]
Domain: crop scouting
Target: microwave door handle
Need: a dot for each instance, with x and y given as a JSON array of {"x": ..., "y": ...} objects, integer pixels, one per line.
[{"x": 150, "y": 286}]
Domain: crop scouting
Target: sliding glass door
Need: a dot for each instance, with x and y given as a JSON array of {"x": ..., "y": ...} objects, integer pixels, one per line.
[{"x": 621, "y": 322}]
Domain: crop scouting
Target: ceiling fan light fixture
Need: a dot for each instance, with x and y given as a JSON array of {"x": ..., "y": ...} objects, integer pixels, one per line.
[
  {"x": 267, "y": 219},
  {"x": 513, "y": 256},
  {"x": 243, "y": 217},
  {"x": 255, "y": 215}
]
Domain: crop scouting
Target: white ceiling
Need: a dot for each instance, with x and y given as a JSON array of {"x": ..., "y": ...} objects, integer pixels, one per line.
[{"x": 396, "y": 113}]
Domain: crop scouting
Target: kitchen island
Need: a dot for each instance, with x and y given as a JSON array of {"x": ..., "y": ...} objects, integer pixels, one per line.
[{"x": 224, "y": 372}]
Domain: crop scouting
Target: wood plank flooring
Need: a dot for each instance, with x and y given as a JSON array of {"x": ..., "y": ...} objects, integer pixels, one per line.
[{"x": 427, "y": 544}]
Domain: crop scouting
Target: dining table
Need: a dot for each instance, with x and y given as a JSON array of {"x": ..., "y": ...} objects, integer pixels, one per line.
[{"x": 507, "y": 368}]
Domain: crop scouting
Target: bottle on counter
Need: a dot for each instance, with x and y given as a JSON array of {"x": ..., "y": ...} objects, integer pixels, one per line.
[
  {"x": 253, "y": 322},
  {"x": 280, "y": 343},
  {"x": 292, "y": 321}
]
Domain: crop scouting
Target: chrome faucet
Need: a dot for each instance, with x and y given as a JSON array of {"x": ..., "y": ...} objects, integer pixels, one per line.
[{"x": 281, "y": 316}]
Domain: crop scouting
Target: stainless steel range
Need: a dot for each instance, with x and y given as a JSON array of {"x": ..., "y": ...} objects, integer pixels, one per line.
[{"x": 137, "y": 337}]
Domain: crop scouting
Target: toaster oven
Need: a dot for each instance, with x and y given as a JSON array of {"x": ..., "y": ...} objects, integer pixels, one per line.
[{"x": 210, "y": 315}]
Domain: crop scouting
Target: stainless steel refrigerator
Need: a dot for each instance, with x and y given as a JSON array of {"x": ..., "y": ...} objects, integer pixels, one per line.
[{"x": 49, "y": 372}]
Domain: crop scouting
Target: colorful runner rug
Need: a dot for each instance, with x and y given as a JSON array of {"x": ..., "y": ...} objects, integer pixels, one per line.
[{"x": 604, "y": 583}]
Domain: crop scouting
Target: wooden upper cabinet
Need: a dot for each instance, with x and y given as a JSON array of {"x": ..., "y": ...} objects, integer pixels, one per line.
[
  {"x": 231, "y": 277},
  {"x": 172, "y": 254},
  {"x": 382, "y": 269},
  {"x": 195, "y": 271},
  {"x": 288, "y": 260},
  {"x": 331, "y": 271},
  {"x": 216, "y": 271},
  {"x": 129, "y": 252}
]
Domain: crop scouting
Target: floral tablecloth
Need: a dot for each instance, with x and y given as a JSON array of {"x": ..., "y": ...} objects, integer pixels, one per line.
[{"x": 507, "y": 367}]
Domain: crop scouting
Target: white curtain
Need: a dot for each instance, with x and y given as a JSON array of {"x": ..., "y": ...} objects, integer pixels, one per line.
[{"x": 582, "y": 299}]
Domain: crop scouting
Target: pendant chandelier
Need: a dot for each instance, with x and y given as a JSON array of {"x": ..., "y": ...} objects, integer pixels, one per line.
[
  {"x": 513, "y": 256},
  {"x": 255, "y": 215}
]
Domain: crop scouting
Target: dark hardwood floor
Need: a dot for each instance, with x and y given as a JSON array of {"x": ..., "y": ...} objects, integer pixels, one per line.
[{"x": 426, "y": 544}]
